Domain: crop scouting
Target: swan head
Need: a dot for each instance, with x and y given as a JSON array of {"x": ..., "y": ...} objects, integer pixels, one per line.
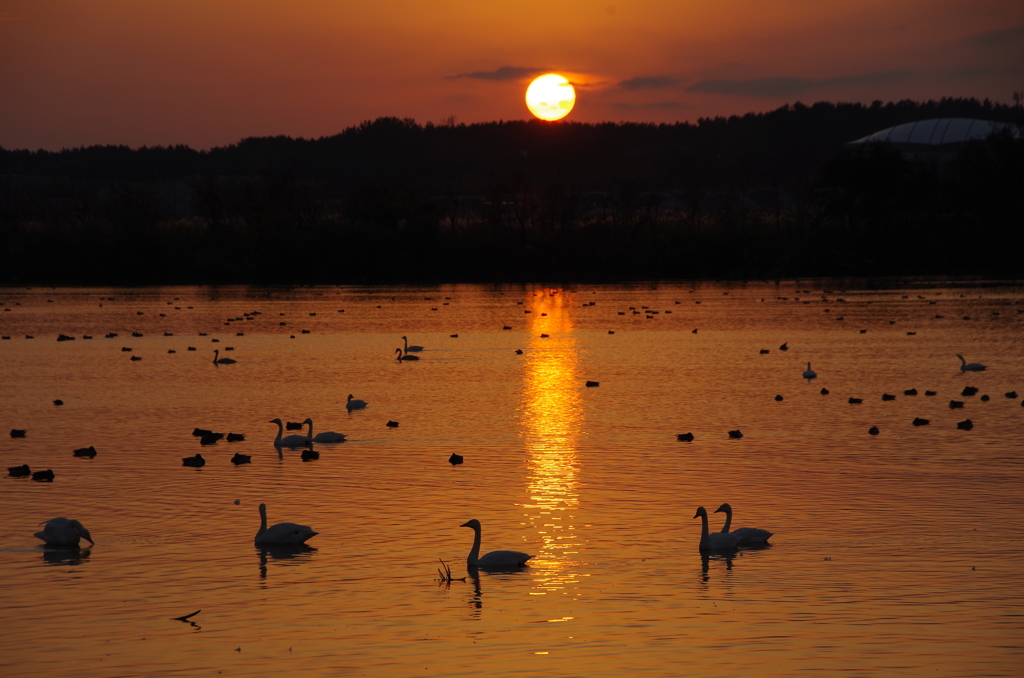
[
  {"x": 350, "y": 396},
  {"x": 724, "y": 508},
  {"x": 472, "y": 522},
  {"x": 701, "y": 512},
  {"x": 308, "y": 421},
  {"x": 276, "y": 421},
  {"x": 80, "y": 530}
]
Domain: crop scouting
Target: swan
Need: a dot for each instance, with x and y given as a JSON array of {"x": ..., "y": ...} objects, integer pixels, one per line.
[
  {"x": 288, "y": 441},
  {"x": 809, "y": 373},
  {"x": 970, "y": 367},
  {"x": 281, "y": 533},
  {"x": 325, "y": 437},
  {"x": 495, "y": 560},
  {"x": 405, "y": 357},
  {"x": 354, "y": 404},
  {"x": 63, "y": 532},
  {"x": 222, "y": 361},
  {"x": 413, "y": 349},
  {"x": 715, "y": 541},
  {"x": 745, "y": 536}
]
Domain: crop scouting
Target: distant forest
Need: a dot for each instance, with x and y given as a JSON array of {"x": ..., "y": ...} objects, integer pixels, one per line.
[{"x": 765, "y": 195}]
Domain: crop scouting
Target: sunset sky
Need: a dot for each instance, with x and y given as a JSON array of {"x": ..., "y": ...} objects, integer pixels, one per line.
[{"x": 210, "y": 72}]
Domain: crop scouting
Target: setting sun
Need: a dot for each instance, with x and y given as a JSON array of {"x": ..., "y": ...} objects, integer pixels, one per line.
[{"x": 550, "y": 97}]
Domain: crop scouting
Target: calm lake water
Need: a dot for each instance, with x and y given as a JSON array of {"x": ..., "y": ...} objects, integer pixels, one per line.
[{"x": 893, "y": 555}]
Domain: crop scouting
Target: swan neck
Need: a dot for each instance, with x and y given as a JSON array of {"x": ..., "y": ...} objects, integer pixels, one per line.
[
  {"x": 474, "y": 553},
  {"x": 263, "y": 520},
  {"x": 310, "y": 433},
  {"x": 704, "y": 528},
  {"x": 728, "y": 521},
  {"x": 277, "y": 443}
]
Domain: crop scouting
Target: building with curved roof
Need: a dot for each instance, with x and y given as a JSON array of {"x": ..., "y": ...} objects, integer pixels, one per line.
[{"x": 939, "y": 131}]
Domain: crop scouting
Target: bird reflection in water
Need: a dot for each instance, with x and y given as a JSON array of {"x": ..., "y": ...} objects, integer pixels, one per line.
[
  {"x": 705, "y": 563},
  {"x": 296, "y": 552},
  {"x": 65, "y": 555}
]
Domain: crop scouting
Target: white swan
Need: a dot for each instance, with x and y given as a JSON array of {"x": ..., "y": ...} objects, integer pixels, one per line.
[
  {"x": 354, "y": 404},
  {"x": 281, "y": 533},
  {"x": 325, "y": 437},
  {"x": 715, "y": 541},
  {"x": 809, "y": 373},
  {"x": 745, "y": 536},
  {"x": 222, "y": 361},
  {"x": 495, "y": 560},
  {"x": 288, "y": 441},
  {"x": 405, "y": 357},
  {"x": 413, "y": 349},
  {"x": 63, "y": 532},
  {"x": 970, "y": 367}
]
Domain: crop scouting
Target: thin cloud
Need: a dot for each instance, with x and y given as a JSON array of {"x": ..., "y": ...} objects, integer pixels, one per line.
[
  {"x": 654, "y": 105},
  {"x": 790, "y": 87},
  {"x": 501, "y": 74},
  {"x": 655, "y": 82},
  {"x": 1006, "y": 37}
]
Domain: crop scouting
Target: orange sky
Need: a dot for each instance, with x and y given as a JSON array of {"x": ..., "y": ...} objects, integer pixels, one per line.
[{"x": 210, "y": 72}]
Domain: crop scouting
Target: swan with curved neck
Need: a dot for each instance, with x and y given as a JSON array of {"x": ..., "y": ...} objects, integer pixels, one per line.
[
  {"x": 402, "y": 356},
  {"x": 221, "y": 361},
  {"x": 281, "y": 534},
  {"x": 325, "y": 437},
  {"x": 289, "y": 441},
  {"x": 408, "y": 348},
  {"x": 715, "y": 541},
  {"x": 354, "y": 403},
  {"x": 745, "y": 536},
  {"x": 495, "y": 560},
  {"x": 809, "y": 373},
  {"x": 970, "y": 367},
  {"x": 63, "y": 532}
]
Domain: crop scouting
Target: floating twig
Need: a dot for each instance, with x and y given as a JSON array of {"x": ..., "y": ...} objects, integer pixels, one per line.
[
  {"x": 446, "y": 575},
  {"x": 186, "y": 617}
]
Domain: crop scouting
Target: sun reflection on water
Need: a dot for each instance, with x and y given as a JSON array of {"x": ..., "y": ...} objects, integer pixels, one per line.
[{"x": 552, "y": 416}]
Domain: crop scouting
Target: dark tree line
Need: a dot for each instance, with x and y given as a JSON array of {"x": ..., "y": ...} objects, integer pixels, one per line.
[{"x": 761, "y": 195}]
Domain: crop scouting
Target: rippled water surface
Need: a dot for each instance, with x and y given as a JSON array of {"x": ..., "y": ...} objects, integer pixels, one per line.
[{"x": 896, "y": 554}]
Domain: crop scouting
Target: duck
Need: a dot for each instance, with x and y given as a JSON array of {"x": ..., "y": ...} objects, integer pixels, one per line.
[
  {"x": 222, "y": 361},
  {"x": 195, "y": 462},
  {"x": 89, "y": 452},
  {"x": 22, "y": 471},
  {"x": 414, "y": 348},
  {"x": 288, "y": 441},
  {"x": 354, "y": 403},
  {"x": 873, "y": 430},
  {"x": 235, "y": 437},
  {"x": 294, "y": 426},
  {"x": 63, "y": 532},
  {"x": 495, "y": 560},
  {"x": 809, "y": 373},
  {"x": 684, "y": 437},
  {"x": 405, "y": 357},
  {"x": 391, "y": 424},
  {"x": 455, "y": 459},
  {"x": 970, "y": 367},
  {"x": 282, "y": 533},
  {"x": 46, "y": 476},
  {"x": 310, "y": 455},
  {"x": 737, "y": 434},
  {"x": 325, "y": 437},
  {"x": 241, "y": 459},
  {"x": 745, "y": 536},
  {"x": 965, "y": 425},
  {"x": 918, "y": 421},
  {"x": 714, "y": 541}
]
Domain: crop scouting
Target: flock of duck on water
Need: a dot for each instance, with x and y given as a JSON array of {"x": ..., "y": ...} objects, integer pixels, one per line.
[{"x": 64, "y": 532}]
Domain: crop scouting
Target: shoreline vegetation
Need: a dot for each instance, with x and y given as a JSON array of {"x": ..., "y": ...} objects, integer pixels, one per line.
[{"x": 772, "y": 195}]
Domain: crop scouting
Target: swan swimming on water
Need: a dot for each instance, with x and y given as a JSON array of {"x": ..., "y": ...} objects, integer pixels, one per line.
[
  {"x": 288, "y": 441},
  {"x": 405, "y": 357},
  {"x": 745, "y": 536},
  {"x": 63, "y": 532},
  {"x": 413, "y": 348},
  {"x": 495, "y": 560},
  {"x": 354, "y": 404},
  {"x": 809, "y": 373},
  {"x": 325, "y": 437},
  {"x": 281, "y": 533},
  {"x": 222, "y": 361},
  {"x": 970, "y": 367},
  {"x": 714, "y": 541}
]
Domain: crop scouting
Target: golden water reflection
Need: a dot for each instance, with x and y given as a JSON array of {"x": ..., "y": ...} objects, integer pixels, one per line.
[{"x": 552, "y": 417}]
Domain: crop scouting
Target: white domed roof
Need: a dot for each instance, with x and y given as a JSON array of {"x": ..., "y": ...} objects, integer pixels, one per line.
[{"x": 938, "y": 131}]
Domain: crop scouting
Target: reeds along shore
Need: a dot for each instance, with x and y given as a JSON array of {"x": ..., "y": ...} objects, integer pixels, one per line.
[{"x": 150, "y": 217}]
